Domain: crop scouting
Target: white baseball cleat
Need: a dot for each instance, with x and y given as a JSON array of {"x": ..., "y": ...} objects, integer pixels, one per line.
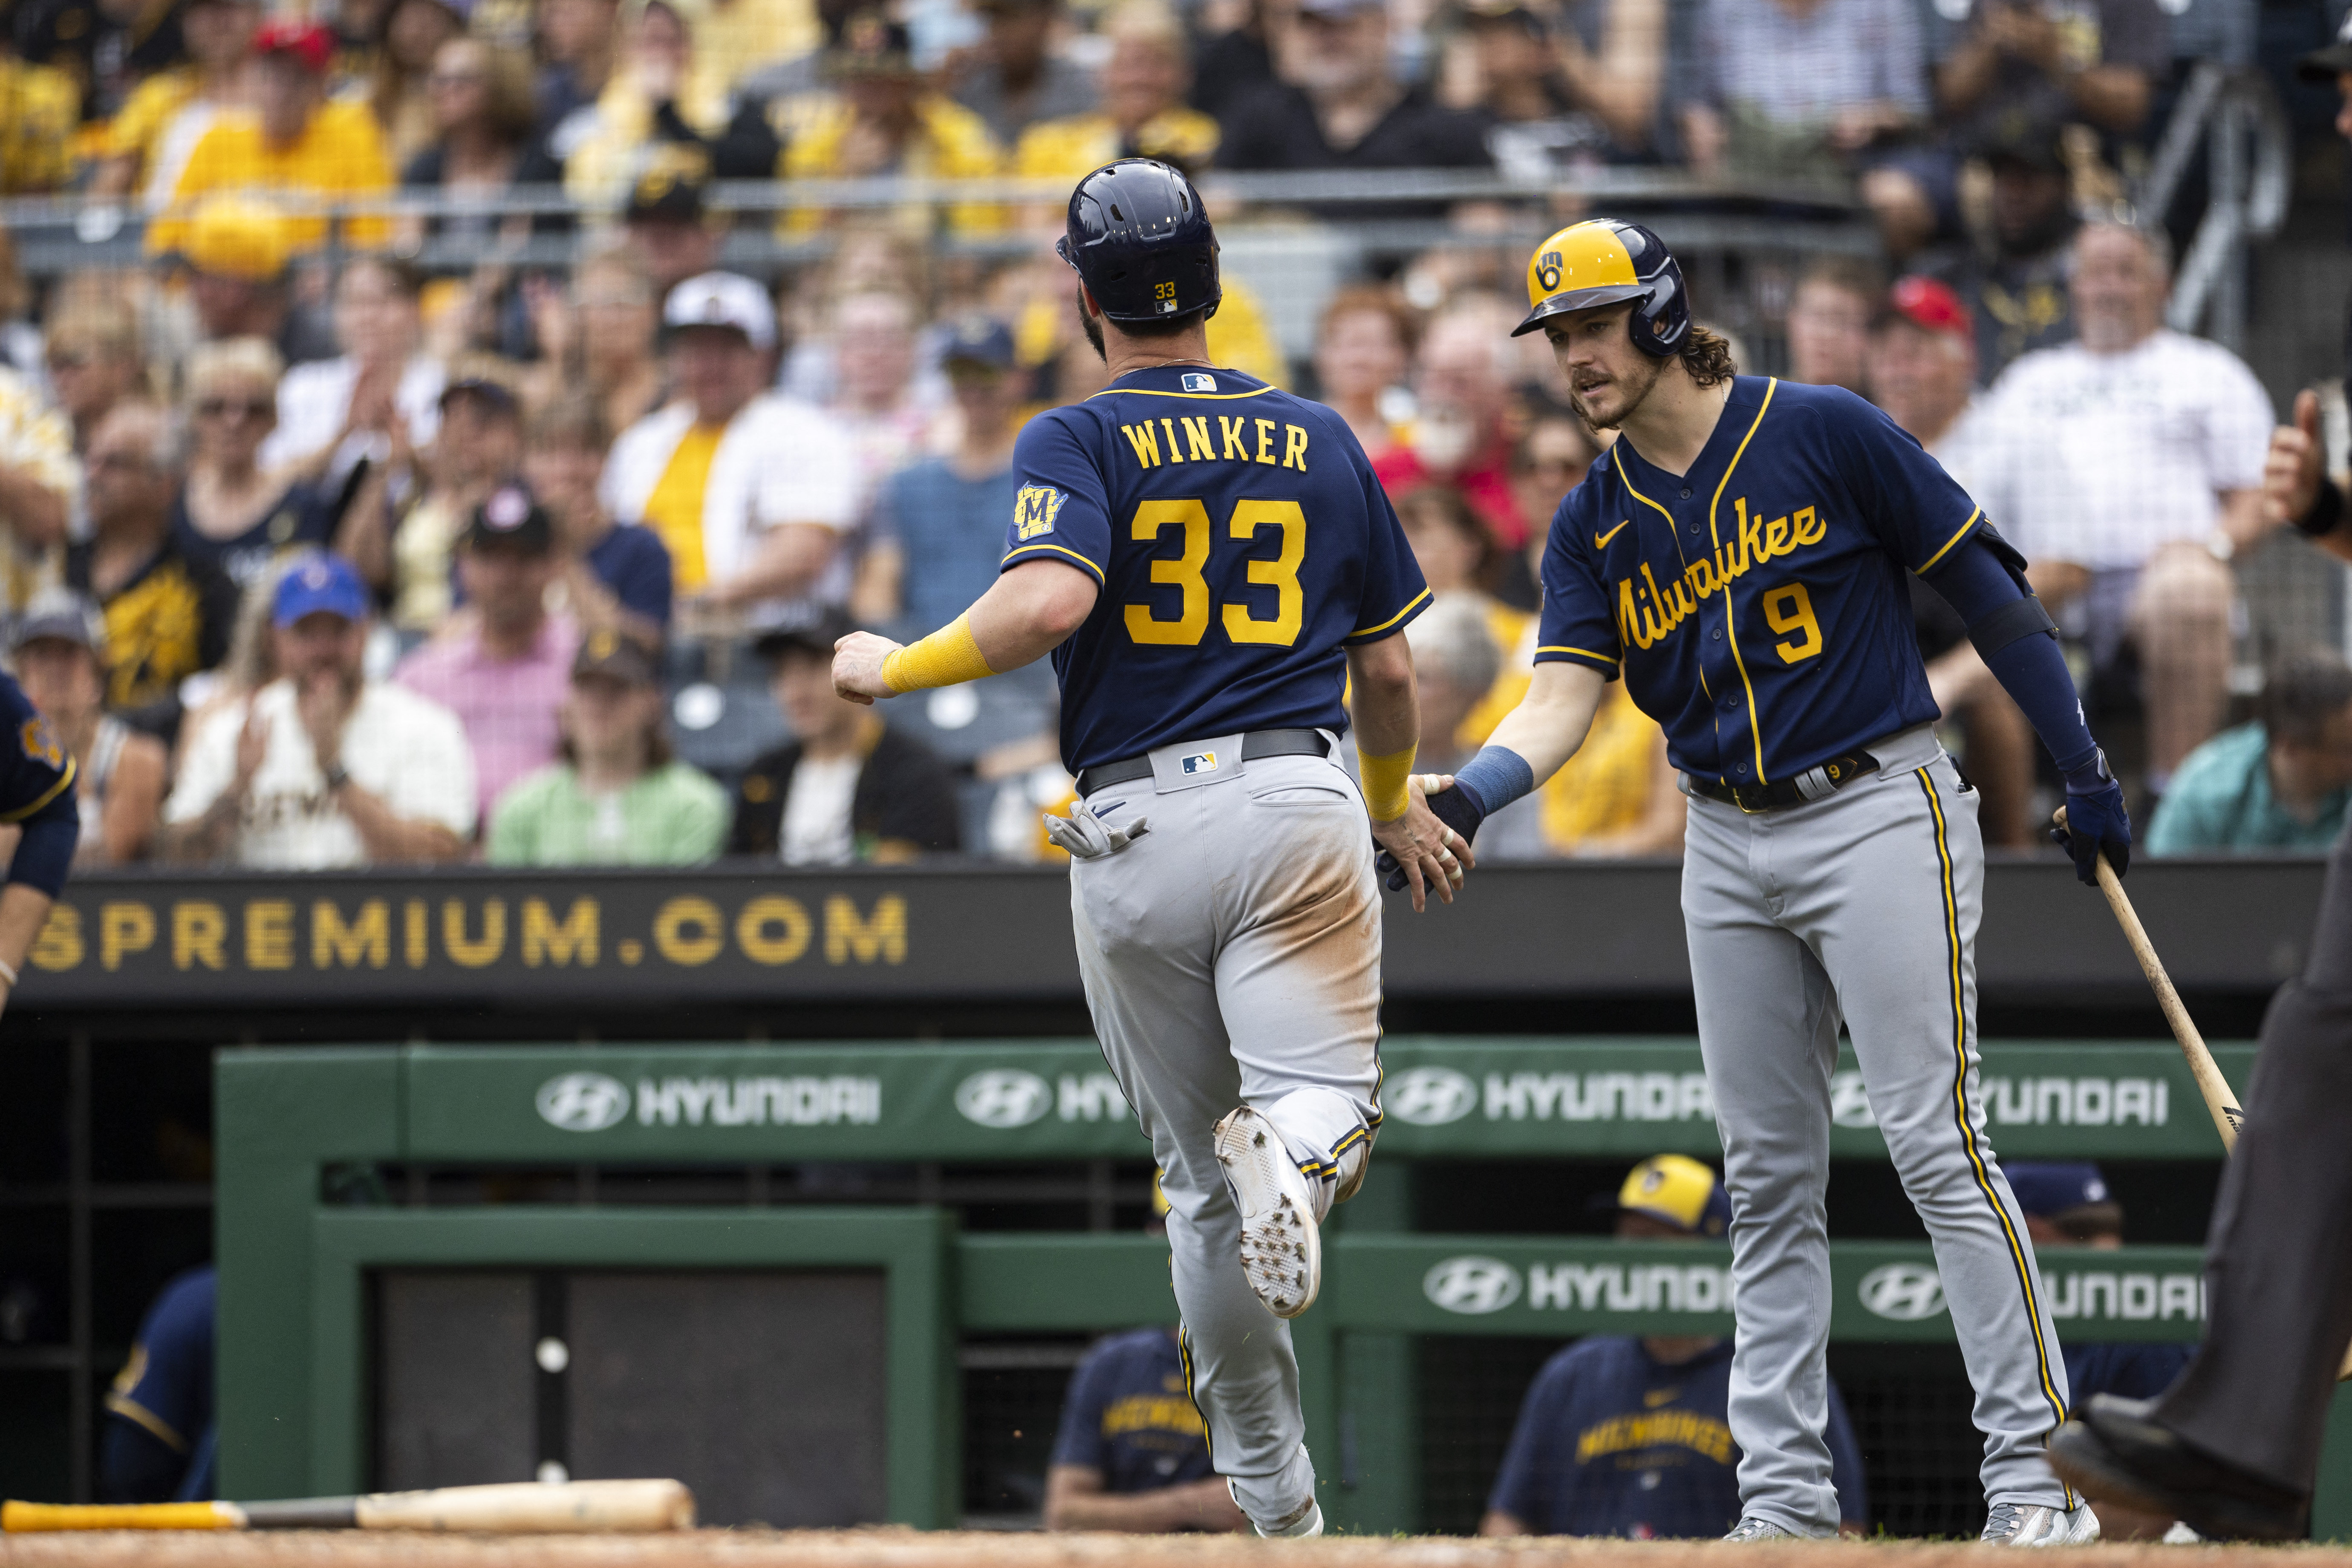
[
  {"x": 1751, "y": 1528},
  {"x": 2038, "y": 1524},
  {"x": 1282, "y": 1247},
  {"x": 1296, "y": 1526}
]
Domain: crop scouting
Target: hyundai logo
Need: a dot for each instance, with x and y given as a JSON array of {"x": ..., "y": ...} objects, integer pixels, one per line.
[
  {"x": 1003, "y": 1097},
  {"x": 582, "y": 1101},
  {"x": 1431, "y": 1097},
  {"x": 1472, "y": 1286},
  {"x": 1906, "y": 1293}
]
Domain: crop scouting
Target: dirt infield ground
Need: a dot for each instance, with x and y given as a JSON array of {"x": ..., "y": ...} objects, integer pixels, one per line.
[{"x": 908, "y": 1549}]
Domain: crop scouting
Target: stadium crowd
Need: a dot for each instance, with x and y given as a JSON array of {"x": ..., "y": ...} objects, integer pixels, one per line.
[{"x": 321, "y": 550}]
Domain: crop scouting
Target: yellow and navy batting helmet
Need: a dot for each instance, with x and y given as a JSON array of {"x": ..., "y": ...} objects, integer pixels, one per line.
[
  {"x": 1679, "y": 1191},
  {"x": 1602, "y": 262}
]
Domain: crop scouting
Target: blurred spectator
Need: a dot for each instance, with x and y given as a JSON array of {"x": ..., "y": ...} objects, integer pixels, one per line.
[
  {"x": 167, "y": 615},
  {"x": 41, "y": 486},
  {"x": 162, "y": 1418},
  {"x": 413, "y": 32},
  {"x": 104, "y": 48},
  {"x": 322, "y": 769},
  {"x": 2069, "y": 1206},
  {"x": 295, "y": 143},
  {"x": 2282, "y": 782},
  {"x": 1018, "y": 80},
  {"x": 94, "y": 363},
  {"x": 1233, "y": 58},
  {"x": 849, "y": 787},
  {"x": 616, "y": 575},
  {"x": 671, "y": 235},
  {"x": 1363, "y": 355},
  {"x": 403, "y": 541},
  {"x": 503, "y": 666},
  {"x": 751, "y": 493},
  {"x": 875, "y": 397},
  {"x": 331, "y": 413},
  {"x": 236, "y": 252},
  {"x": 59, "y": 652},
  {"x": 1339, "y": 105},
  {"x": 735, "y": 37},
  {"x": 482, "y": 146},
  {"x": 939, "y": 526},
  {"x": 20, "y": 337},
  {"x": 39, "y": 106},
  {"x": 1130, "y": 1453},
  {"x": 1142, "y": 113},
  {"x": 1552, "y": 459},
  {"x": 2049, "y": 61},
  {"x": 1814, "y": 91},
  {"x": 144, "y": 148},
  {"x": 1457, "y": 556},
  {"x": 578, "y": 44},
  {"x": 665, "y": 106},
  {"x": 1573, "y": 91},
  {"x": 618, "y": 797},
  {"x": 1624, "y": 1436},
  {"x": 1460, "y": 437},
  {"x": 2127, "y": 467},
  {"x": 1923, "y": 364},
  {"x": 883, "y": 119},
  {"x": 599, "y": 339},
  {"x": 233, "y": 513},
  {"x": 2013, "y": 277},
  {"x": 1829, "y": 313}
]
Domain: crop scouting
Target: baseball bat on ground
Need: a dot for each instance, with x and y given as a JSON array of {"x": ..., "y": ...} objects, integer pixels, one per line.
[
  {"x": 2220, "y": 1098},
  {"x": 525, "y": 1508}
]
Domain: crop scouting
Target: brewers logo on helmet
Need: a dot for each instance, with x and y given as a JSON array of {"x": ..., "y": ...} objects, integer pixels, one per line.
[
  {"x": 1602, "y": 262},
  {"x": 1140, "y": 240}
]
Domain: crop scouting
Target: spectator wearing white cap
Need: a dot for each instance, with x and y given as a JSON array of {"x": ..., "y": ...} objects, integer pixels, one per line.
[
  {"x": 322, "y": 769},
  {"x": 60, "y": 651},
  {"x": 750, "y": 491}
]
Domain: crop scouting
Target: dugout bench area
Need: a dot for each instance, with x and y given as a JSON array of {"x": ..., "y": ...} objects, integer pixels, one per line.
[{"x": 799, "y": 1364}]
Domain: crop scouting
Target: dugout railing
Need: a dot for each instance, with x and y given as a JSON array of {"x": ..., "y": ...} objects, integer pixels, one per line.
[{"x": 314, "y": 1146}]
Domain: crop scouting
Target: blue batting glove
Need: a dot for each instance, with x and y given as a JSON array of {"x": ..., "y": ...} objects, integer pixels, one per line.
[{"x": 2095, "y": 821}]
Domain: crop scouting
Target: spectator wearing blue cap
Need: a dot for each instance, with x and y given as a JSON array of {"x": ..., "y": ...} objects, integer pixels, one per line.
[
  {"x": 322, "y": 769},
  {"x": 2072, "y": 1205},
  {"x": 1630, "y": 1437}
]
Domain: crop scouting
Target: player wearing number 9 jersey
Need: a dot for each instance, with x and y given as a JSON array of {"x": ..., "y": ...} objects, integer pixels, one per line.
[
  {"x": 1210, "y": 561},
  {"x": 1737, "y": 558}
]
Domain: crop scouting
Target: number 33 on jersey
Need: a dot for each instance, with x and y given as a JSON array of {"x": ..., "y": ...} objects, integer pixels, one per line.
[{"x": 1242, "y": 542}]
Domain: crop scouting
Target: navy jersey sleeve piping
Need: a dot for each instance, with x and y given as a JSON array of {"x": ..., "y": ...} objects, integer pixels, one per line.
[
  {"x": 1388, "y": 628},
  {"x": 1055, "y": 552}
]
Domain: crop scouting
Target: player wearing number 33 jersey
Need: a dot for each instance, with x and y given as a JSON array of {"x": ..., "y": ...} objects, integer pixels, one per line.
[
  {"x": 1211, "y": 562},
  {"x": 1738, "y": 557}
]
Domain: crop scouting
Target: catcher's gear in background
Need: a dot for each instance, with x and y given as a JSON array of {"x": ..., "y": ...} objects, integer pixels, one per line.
[
  {"x": 1604, "y": 262},
  {"x": 1140, "y": 240}
]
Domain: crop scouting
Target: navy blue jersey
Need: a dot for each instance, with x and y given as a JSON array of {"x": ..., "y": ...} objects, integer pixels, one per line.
[
  {"x": 1242, "y": 541},
  {"x": 1613, "y": 1442},
  {"x": 1758, "y": 604},
  {"x": 159, "y": 1445},
  {"x": 2126, "y": 1371},
  {"x": 1129, "y": 1414},
  {"x": 36, "y": 769}
]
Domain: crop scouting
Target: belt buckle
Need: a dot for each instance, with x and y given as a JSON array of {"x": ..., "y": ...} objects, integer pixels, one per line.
[{"x": 1746, "y": 808}]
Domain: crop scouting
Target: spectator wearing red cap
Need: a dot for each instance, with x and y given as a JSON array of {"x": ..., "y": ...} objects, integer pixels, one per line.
[
  {"x": 144, "y": 148},
  {"x": 1921, "y": 372},
  {"x": 294, "y": 145}
]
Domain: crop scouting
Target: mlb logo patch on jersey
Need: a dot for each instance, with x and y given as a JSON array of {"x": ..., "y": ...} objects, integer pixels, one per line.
[
  {"x": 1201, "y": 763},
  {"x": 1034, "y": 509},
  {"x": 1194, "y": 381}
]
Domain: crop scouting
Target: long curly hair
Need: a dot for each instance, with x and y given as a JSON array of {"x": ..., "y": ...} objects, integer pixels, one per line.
[{"x": 1707, "y": 357}]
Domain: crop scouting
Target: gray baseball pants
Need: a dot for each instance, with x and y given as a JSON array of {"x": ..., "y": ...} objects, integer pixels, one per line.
[
  {"x": 1232, "y": 955},
  {"x": 1860, "y": 908}
]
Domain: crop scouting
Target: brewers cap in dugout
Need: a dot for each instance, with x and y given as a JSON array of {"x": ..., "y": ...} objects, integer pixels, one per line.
[
  {"x": 1602, "y": 262},
  {"x": 1678, "y": 1190}
]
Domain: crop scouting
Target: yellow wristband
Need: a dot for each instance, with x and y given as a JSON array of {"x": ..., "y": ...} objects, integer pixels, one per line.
[
  {"x": 948, "y": 656},
  {"x": 1385, "y": 783}
]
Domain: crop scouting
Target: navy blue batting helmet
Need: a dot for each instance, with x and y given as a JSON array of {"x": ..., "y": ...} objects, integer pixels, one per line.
[
  {"x": 1601, "y": 261},
  {"x": 1141, "y": 241}
]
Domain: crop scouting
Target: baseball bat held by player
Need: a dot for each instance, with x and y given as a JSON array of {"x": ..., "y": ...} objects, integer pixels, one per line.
[{"x": 526, "y": 1508}]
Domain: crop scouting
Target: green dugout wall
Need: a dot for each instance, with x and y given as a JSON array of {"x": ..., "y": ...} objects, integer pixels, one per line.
[{"x": 296, "y": 1377}]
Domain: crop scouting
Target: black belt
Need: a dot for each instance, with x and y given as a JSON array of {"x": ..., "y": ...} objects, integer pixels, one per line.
[
  {"x": 1813, "y": 784},
  {"x": 1256, "y": 744}
]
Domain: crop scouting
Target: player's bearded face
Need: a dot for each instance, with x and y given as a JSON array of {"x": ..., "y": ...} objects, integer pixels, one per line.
[
  {"x": 1093, "y": 327},
  {"x": 1608, "y": 378}
]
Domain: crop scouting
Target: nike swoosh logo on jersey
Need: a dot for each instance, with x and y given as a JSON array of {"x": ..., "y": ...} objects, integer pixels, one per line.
[{"x": 1601, "y": 541}]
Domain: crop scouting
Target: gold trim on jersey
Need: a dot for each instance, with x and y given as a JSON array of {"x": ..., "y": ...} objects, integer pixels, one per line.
[
  {"x": 1730, "y": 612},
  {"x": 1058, "y": 550},
  {"x": 1410, "y": 604},
  {"x": 1155, "y": 392},
  {"x": 1929, "y": 565},
  {"x": 1608, "y": 659},
  {"x": 65, "y": 780}
]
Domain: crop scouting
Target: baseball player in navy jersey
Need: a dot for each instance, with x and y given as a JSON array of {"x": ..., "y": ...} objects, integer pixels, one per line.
[
  {"x": 37, "y": 794},
  {"x": 1209, "y": 562},
  {"x": 1738, "y": 559}
]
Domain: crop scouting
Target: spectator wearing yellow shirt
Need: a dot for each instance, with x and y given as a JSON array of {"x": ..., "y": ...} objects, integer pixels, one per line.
[
  {"x": 146, "y": 146},
  {"x": 1143, "y": 113},
  {"x": 884, "y": 121},
  {"x": 40, "y": 484},
  {"x": 660, "y": 99},
  {"x": 294, "y": 145},
  {"x": 39, "y": 108}
]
